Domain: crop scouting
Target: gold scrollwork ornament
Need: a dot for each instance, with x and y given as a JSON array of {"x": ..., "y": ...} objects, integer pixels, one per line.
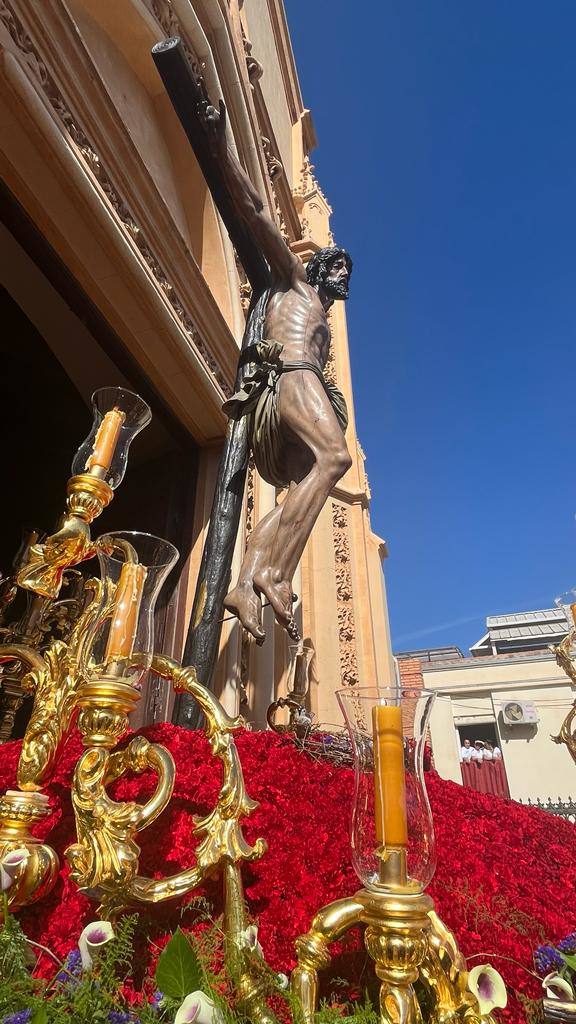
[
  {"x": 34, "y": 880},
  {"x": 105, "y": 858},
  {"x": 422, "y": 972}
]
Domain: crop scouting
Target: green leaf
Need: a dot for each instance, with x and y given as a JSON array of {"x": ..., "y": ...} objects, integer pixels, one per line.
[
  {"x": 569, "y": 960},
  {"x": 179, "y": 970},
  {"x": 40, "y": 1015}
]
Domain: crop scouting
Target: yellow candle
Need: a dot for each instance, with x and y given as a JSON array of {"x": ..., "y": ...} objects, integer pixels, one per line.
[
  {"x": 389, "y": 776},
  {"x": 106, "y": 440},
  {"x": 125, "y": 616}
]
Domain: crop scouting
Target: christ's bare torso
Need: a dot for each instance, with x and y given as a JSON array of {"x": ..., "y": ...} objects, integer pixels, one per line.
[{"x": 296, "y": 318}]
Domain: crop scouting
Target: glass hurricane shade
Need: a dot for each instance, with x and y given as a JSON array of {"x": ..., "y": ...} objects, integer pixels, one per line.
[
  {"x": 118, "y": 416},
  {"x": 387, "y": 727},
  {"x": 137, "y": 564},
  {"x": 300, "y": 657},
  {"x": 567, "y": 602}
]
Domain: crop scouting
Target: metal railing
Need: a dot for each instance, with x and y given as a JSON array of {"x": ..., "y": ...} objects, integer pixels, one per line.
[{"x": 562, "y": 808}]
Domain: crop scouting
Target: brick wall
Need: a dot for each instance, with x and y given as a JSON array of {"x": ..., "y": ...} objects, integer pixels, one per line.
[{"x": 410, "y": 678}]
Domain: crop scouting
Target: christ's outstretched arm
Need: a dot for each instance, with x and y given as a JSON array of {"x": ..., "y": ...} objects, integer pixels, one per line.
[{"x": 284, "y": 264}]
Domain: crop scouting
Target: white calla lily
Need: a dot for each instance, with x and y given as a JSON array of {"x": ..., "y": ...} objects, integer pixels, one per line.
[
  {"x": 249, "y": 940},
  {"x": 10, "y": 866},
  {"x": 488, "y": 987},
  {"x": 92, "y": 940},
  {"x": 200, "y": 1009},
  {"x": 557, "y": 987}
]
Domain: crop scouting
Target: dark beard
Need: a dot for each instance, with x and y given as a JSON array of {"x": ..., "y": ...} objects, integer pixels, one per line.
[{"x": 336, "y": 289}]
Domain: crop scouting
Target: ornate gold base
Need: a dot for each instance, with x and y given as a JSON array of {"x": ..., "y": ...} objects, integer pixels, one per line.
[
  {"x": 18, "y": 812},
  {"x": 416, "y": 958}
]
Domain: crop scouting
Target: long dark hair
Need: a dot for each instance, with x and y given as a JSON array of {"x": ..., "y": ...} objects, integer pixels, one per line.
[{"x": 319, "y": 264}]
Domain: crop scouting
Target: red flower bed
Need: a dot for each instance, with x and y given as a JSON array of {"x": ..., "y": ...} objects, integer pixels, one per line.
[{"x": 505, "y": 880}]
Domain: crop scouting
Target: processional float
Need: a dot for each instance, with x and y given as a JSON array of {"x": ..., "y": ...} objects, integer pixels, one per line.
[{"x": 90, "y": 677}]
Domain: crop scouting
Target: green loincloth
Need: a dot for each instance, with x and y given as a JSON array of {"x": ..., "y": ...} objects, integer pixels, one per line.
[{"x": 258, "y": 399}]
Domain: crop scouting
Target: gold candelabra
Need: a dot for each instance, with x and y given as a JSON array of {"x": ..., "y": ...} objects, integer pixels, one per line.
[
  {"x": 423, "y": 975},
  {"x": 92, "y": 678}
]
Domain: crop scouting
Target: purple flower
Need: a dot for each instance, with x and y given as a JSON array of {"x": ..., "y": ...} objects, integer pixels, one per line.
[
  {"x": 156, "y": 999},
  {"x": 568, "y": 945},
  {"x": 548, "y": 959},
  {"x": 119, "y": 1017},
  {"x": 72, "y": 967},
  {"x": 22, "y": 1017}
]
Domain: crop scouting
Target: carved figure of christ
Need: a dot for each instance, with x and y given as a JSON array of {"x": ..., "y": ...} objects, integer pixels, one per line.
[{"x": 297, "y": 418}]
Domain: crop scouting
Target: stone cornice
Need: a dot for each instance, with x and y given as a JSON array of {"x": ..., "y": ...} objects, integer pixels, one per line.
[{"x": 118, "y": 171}]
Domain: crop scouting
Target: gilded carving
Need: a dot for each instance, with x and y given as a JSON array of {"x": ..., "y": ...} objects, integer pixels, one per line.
[
  {"x": 344, "y": 602},
  {"x": 54, "y": 682}
]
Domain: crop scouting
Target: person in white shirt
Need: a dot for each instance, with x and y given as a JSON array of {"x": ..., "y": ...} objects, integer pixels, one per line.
[
  {"x": 488, "y": 752},
  {"x": 466, "y": 751},
  {"x": 478, "y": 750}
]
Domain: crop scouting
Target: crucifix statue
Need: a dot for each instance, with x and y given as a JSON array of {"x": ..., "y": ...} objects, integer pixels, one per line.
[{"x": 283, "y": 410}]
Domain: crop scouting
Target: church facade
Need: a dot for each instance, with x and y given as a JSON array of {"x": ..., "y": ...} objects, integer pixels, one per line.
[{"x": 116, "y": 269}]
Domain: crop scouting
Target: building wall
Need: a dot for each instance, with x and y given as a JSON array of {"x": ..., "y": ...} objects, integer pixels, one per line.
[
  {"x": 473, "y": 690},
  {"x": 94, "y": 154}
]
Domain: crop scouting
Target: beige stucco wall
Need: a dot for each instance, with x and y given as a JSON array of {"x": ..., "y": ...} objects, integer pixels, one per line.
[
  {"x": 473, "y": 691},
  {"x": 93, "y": 152},
  {"x": 265, "y": 50}
]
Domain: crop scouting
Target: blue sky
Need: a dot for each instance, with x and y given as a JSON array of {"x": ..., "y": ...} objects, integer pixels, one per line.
[{"x": 447, "y": 147}]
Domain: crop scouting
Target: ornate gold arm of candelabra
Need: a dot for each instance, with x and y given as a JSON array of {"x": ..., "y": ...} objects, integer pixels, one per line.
[
  {"x": 42, "y": 572},
  {"x": 105, "y": 858},
  {"x": 223, "y": 846},
  {"x": 561, "y": 652},
  {"x": 20, "y": 811},
  {"x": 54, "y": 680},
  {"x": 422, "y": 972}
]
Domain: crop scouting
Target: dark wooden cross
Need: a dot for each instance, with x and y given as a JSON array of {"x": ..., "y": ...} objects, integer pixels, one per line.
[{"x": 187, "y": 93}]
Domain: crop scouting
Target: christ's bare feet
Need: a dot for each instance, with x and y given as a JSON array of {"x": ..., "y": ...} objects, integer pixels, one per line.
[
  {"x": 279, "y": 594},
  {"x": 245, "y": 603}
]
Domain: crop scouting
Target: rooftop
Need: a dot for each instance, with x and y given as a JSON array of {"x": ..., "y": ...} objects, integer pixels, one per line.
[{"x": 521, "y": 631}]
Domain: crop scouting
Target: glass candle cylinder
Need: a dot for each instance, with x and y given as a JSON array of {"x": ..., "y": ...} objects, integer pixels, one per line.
[
  {"x": 300, "y": 655},
  {"x": 392, "y": 834},
  {"x": 567, "y": 603},
  {"x": 118, "y": 416},
  {"x": 137, "y": 564}
]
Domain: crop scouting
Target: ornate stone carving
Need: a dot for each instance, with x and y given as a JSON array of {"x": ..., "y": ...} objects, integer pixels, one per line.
[
  {"x": 253, "y": 66},
  {"x": 95, "y": 165},
  {"x": 246, "y": 641},
  {"x": 275, "y": 168},
  {"x": 330, "y": 368},
  {"x": 250, "y": 496},
  {"x": 311, "y": 203},
  {"x": 245, "y": 286},
  {"x": 344, "y": 603},
  {"x": 168, "y": 20},
  {"x": 307, "y": 182}
]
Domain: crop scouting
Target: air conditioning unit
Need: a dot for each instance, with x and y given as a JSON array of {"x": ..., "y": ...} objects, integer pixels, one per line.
[{"x": 519, "y": 712}]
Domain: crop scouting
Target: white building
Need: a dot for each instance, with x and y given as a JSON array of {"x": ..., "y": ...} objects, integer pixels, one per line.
[{"x": 516, "y": 701}]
